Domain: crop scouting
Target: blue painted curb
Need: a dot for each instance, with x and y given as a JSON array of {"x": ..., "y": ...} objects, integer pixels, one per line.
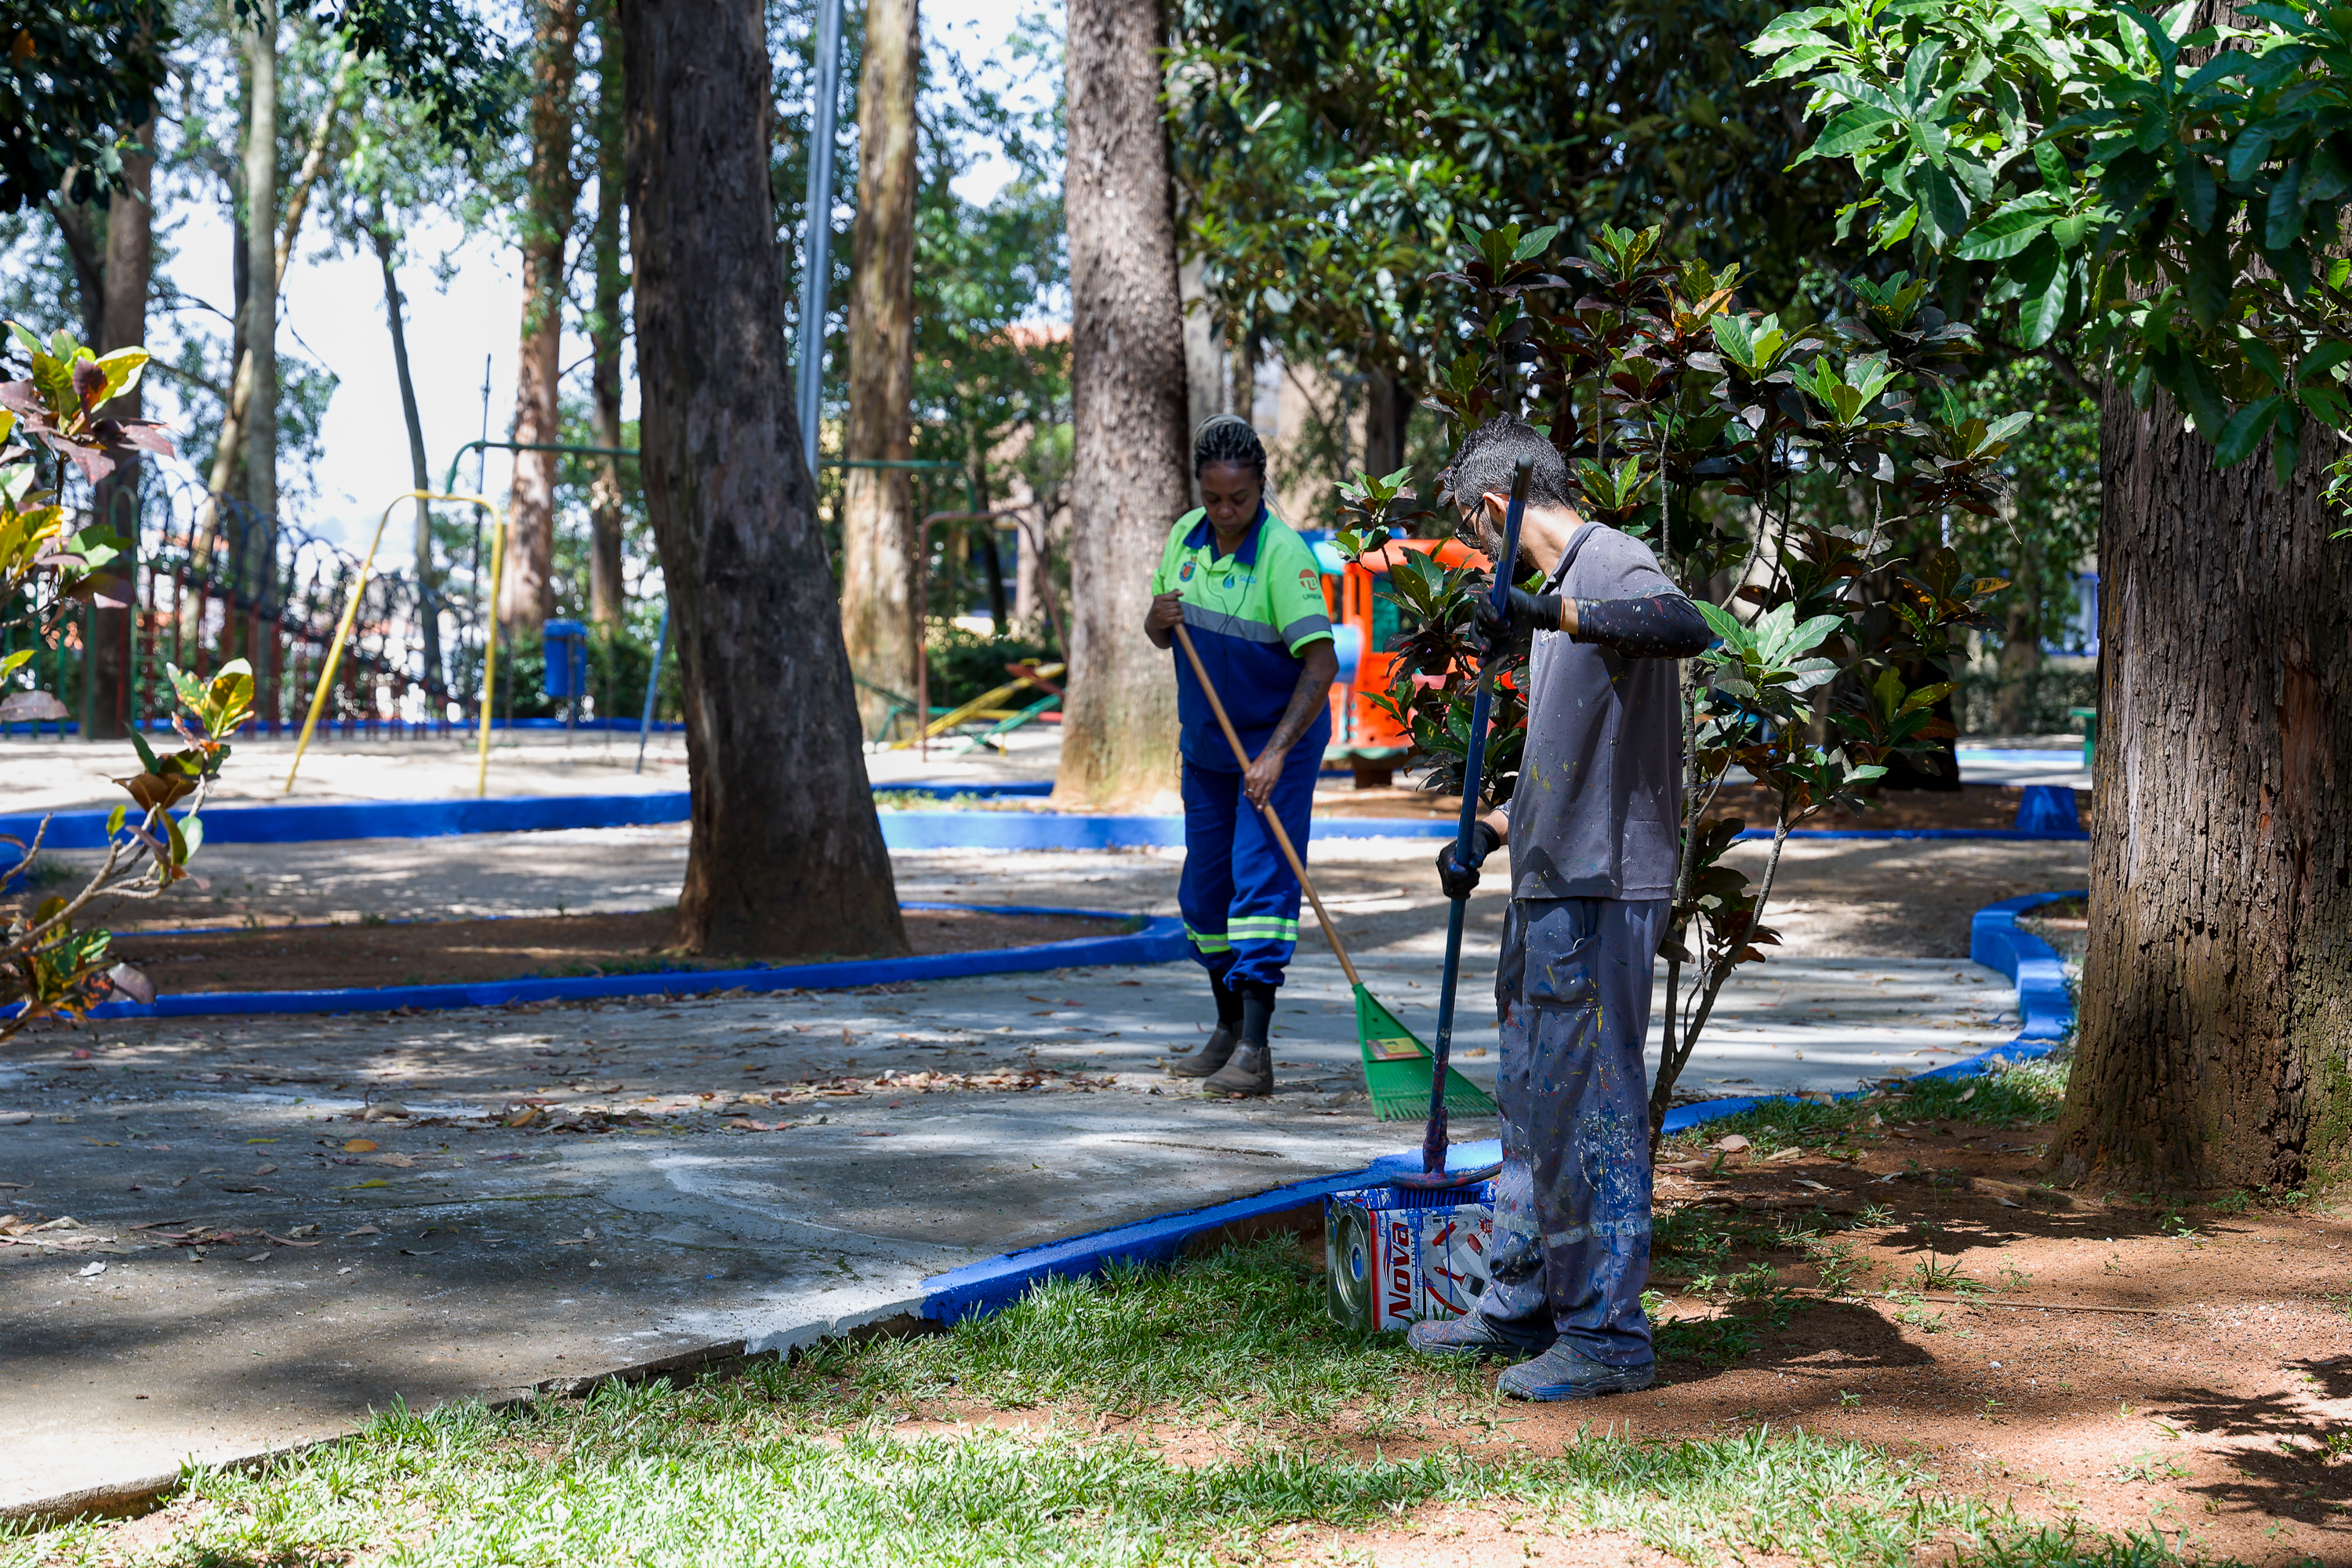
[
  {"x": 1161, "y": 941},
  {"x": 2045, "y": 1012},
  {"x": 381, "y": 819},
  {"x": 328, "y": 820},
  {"x": 990, "y": 1286},
  {"x": 996, "y": 1283}
]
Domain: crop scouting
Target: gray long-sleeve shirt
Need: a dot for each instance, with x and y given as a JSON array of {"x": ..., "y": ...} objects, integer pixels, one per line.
[{"x": 1599, "y": 803}]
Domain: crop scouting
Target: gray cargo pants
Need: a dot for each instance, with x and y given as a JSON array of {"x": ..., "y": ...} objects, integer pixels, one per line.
[{"x": 1571, "y": 1251}]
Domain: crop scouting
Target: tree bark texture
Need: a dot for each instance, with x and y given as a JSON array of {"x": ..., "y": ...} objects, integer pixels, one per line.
[
  {"x": 606, "y": 330},
  {"x": 1131, "y": 479},
  {"x": 877, "y": 507},
  {"x": 786, "y": 853},
  {"x": 2216, "y": 1012},
  {"x": 122, "y": 324},
  {"x": 261, "y": 264},
  {"x": 527, "y": 593}
]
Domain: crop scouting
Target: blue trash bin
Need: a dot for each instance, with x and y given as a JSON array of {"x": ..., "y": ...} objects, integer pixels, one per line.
[{"x": 567, "y": 660}]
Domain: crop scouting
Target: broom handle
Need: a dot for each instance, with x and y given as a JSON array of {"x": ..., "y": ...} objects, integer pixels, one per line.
[{"x": 1298, "y": 867}]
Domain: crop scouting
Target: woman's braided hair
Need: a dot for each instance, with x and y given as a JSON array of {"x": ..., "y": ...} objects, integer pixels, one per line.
[{"x": 1228, "y": 439}]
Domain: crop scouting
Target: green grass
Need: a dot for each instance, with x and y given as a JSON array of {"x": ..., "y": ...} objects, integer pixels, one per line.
[
  {"x": 799, "y": 1463},
  {"x": 2019, "y": 1095}
]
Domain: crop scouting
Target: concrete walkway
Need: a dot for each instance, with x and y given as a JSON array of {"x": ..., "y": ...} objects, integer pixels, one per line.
[{"x": 237, "y": 1277}]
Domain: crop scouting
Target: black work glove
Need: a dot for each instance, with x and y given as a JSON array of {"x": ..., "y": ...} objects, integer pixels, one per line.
[
  {"x": 1538, "y": 611},
  {"x": 1456, "y": 879}
]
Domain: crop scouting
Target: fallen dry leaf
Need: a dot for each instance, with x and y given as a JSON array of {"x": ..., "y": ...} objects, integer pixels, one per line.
[
  {"x": 360, "y": 1146},
  {"x": 365, "y": 1230}
]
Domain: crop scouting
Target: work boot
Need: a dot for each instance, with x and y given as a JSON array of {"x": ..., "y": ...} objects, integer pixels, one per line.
[
  {"x": 1564, "y": 1372},
  {"x": 1473, "y": 1337},
  {"x": 1219, "y": 1048},
  {"x": 1250, "y": 1073}
]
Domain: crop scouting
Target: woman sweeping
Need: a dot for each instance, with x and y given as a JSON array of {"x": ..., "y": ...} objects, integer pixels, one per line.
[{"x": 1246, "y": 589}]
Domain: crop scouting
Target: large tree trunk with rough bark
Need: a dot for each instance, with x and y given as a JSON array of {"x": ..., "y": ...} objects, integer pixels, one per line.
[
  {"x": 606, "y": 330},
  {"x": 527, "y": 594},
  {"x": 1129, "y": 480},
  {"x": 877, "y": 507},
  {"x": 2215, "y": 1049},
  {"x": 122, "y": 324},
  {"x": 785, "y": 855}
]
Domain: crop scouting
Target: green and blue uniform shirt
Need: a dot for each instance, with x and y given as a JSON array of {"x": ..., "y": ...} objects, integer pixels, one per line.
[{"x": 1250, "y": 614}]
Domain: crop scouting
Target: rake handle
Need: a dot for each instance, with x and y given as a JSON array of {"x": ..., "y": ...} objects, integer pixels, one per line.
[{"x": 1281, "y": 836}]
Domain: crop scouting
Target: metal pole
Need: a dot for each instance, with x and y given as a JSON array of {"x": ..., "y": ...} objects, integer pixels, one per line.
[
  {"x": 818, "y": 249},
  {"x": 653, "y": 684}
]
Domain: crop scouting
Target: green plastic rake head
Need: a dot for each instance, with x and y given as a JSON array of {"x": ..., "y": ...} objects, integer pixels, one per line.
[{"x": 1397, "y": 1066}]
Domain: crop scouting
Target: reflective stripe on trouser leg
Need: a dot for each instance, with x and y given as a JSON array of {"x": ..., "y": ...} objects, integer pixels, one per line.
[
  {"x": 1204, "y": 895},
  {"x": 1264, "y": 922},
  {"x": 1572, "y": 1201}
]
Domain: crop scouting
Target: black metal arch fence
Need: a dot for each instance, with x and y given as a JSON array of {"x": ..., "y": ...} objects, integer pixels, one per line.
[{"x": 211, "y": 580}]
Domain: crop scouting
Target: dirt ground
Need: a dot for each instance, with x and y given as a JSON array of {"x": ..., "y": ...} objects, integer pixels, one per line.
[
  {"x": 2135, "y": 1368},
  {"x": 318, "y": 957}
]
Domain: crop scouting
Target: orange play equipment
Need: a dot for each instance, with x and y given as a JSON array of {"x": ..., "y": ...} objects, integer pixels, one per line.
[{"x": 1366, "y": 625}]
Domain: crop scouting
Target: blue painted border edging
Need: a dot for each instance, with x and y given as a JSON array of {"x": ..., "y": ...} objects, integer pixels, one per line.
[
  {"x": 2045, "y": 1012},
  {"x": 1161, "y": 941},
  {"x": 997, "y": 1282},
  {"x": 327, "y": 820}
]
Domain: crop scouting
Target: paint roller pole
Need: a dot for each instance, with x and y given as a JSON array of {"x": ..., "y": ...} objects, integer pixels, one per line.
[
  {"x": 342, "y": 634},
  {"x": 1433, "y": 1143},
  {"x": 1281, "y": 835},
  {"x": 653, "y": 684}
]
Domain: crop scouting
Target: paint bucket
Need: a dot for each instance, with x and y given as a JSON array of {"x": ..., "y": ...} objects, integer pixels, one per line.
[{"x": 1394, "y": 1256}]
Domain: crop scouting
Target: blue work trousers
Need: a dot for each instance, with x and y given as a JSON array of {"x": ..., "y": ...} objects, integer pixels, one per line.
[
  {"x": 1572, "y": 1201},
  {"x": 1237, "y": 894}
]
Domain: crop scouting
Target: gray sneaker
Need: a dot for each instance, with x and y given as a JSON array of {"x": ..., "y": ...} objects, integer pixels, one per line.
[
  {"x": 1248, "y": 1075},
  {"x": 1564, "y": 1372},
  {"x": 1212, "y": 1055},
  {"x": 1472, "y": 1336}
]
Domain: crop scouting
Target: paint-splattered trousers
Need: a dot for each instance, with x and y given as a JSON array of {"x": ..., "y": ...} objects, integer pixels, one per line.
[
  {"x": 1237, "y": 894},
  {"x": 1572, "y": 1204}
]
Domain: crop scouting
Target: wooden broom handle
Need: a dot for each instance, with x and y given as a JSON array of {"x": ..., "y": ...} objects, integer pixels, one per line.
[{"x": 1297, "y": 868}]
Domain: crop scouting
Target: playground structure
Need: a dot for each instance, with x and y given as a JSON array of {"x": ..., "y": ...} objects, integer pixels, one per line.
[
  {"x": 1366, "y": 623},
  {"x": 208, "y": 580}
]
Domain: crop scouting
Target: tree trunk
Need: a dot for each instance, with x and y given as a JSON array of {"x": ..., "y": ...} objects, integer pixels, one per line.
[
  {"x": 1205, "y": 351},
  {"x": 992, "y": 558},
  {"x": 129, "y": 266},
  {"x": 785, "y": 855},
  {"x": 420, "y": 472},
  {"x": 2217, "y": 989},
  {"x": 228, "y": 453},
  {"x": 606, "y": 329},
  {"x": 2021, "y": 659},
  {"x": 877, "y": 505},
  {"x": 253, "y": 567},
  {"x": 527, "y": 595},
  {"x": 1385, "y": 410},
  {"x": 1130, "y": 477}
]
